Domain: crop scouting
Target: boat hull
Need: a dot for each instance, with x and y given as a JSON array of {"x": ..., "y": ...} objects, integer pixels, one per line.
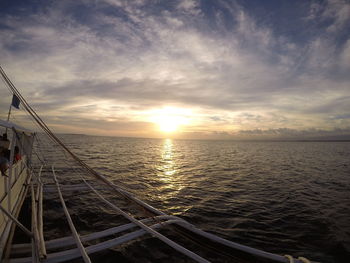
[{"x": 13, "y": 189}]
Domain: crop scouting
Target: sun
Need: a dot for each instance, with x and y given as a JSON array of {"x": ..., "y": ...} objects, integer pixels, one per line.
[
  {"x": 168, "y": 124},
  {"x": 170, "y": 119}
]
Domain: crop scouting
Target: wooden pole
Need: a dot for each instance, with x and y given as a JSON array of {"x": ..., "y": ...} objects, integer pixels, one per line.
[
  {"x": 42, "y": 247},
  {"x": 35, "y": 240},
  {"x": 25, "y": 230},
  {"x": 70, "y": 222}
]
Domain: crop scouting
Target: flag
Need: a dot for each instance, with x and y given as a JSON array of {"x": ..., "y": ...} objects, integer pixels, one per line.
[{"x": 15, "y": 101}]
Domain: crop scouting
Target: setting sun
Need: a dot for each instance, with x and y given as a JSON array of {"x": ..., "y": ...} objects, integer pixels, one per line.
[
  {"x": 167, "y": 125},
  {"x": 170, "y": 119}
]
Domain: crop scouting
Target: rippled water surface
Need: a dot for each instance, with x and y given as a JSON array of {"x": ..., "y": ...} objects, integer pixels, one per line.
[{"x": 283, "y": 197}]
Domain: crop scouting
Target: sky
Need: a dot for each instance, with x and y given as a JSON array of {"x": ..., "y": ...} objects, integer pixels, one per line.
[{"x": 200, "y": 69}]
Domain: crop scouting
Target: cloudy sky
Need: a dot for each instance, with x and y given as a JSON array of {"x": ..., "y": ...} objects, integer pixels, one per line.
[{"x": 186, "y": 68}]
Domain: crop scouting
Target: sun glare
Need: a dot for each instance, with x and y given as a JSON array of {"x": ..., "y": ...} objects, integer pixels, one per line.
[
  {"x": 170, "y": 119},
  {"x": 167, "y": 125}
]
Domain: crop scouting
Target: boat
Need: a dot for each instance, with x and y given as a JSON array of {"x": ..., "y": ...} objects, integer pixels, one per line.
[
  {"x": 14, "y": 181},
  {"x": 28, "y": 179}
]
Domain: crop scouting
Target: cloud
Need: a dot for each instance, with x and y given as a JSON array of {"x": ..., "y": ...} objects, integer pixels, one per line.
[
  {"x": 217, "y": 58},
  {"x": 334, "y": 13},
  {"x": 345, "y": 58},
  {"x": 339, "y": 12},
  {"x": 189, "y": 6}
]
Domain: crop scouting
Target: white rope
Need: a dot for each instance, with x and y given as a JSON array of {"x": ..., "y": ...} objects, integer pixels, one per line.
[
  {"x": 301, "y": 259},
  {"x": 304, "y": 260},
  {"x": 290, "y": 258}
]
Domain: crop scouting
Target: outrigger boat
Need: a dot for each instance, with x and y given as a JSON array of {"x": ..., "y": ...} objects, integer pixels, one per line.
[{"x": 28, "y": 179}]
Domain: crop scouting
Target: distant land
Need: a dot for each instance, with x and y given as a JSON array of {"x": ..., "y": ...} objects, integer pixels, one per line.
[{"x": 340, "y": 138}]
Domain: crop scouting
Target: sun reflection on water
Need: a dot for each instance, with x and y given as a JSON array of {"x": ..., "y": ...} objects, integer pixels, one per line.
[
  {"x": 172, "y": 181},
  {"x": 168, "y": 163},
  {"x": 168, "y": 173}
]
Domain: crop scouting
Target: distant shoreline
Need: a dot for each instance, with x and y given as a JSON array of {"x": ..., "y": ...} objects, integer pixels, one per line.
[{"x": 209, "y": 139}]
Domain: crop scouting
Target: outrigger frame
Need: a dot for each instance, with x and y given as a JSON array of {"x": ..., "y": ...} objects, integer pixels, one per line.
[{"x": 140, "y": 227}]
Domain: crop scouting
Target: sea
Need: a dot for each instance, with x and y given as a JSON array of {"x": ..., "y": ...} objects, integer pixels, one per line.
[{"x": 285, "y": 197}]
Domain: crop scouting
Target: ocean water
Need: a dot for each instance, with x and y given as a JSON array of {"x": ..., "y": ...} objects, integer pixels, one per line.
[{"x": 282, "y": 197}]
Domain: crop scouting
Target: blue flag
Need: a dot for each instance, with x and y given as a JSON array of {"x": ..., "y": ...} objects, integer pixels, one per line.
[{"x": 15, "y": 101}]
